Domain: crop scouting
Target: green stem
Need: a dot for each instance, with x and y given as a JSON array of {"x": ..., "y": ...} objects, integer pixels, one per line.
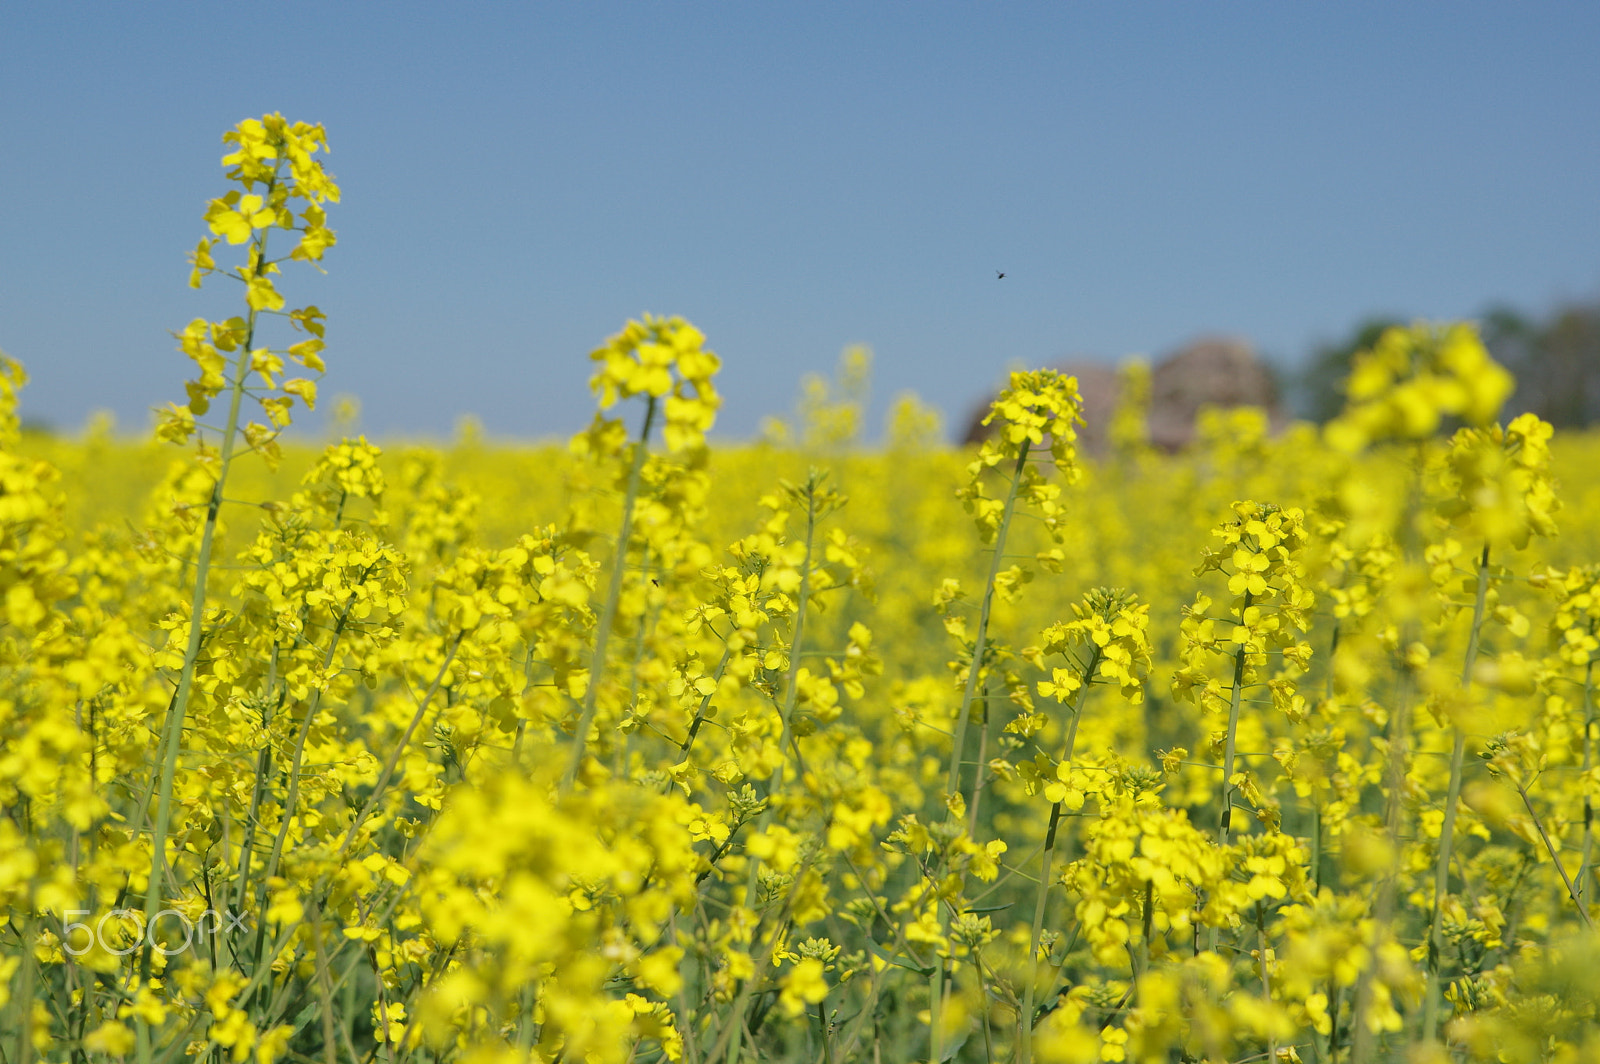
[
  {"x": 1316, "y": 845},
  {"x": 729, "y": 1039},
  {"x": 1441, "y": 868},
  {"x": 1555, "y": 858},
  {"x": 822, "y": 1031},
  {"x": 1030, "y": 970},
  {"x": 259, "y": 789},
  {"x": 1586, "y": 862},
  {"x": 173, "y": 729},
  {"x": 608, "y": 611},
  {"x": 980, "y": 642},
  {"x": 24, "y": 1002},
  {"x": 691, "y": 1051},
  {"x": 1266, "y": 977},
  {"x": 393, "y": 762},
  {"x": 700, "y": 713},
  {"x": 728, "y": 1043},
  {"x": 958, "y": 745},
  {"x": 1362, "y": 1038},
  {"x": 292, "y": 795},
  {"x": 1363, "y": 1041},
  {"x": 977, "y": 775},
  {"x": 1230, "y": 745},
  {"x": 330, "y": 1050},
  {"x": 1333, "y": 1020},
  {"x": 525, "y": 1025},
  {"x": 1147, "y": 931},
  {"x": 1229, "y": 751},
  {"x": 791, "y": 694},
  {"x": 647, "y": 623}
]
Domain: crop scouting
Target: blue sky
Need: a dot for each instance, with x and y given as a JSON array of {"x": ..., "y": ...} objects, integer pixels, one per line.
[{"x": 520, "y": 179}]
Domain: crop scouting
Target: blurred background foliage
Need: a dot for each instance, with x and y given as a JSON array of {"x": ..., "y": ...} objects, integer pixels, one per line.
[{"x": 1555, "y": 357}]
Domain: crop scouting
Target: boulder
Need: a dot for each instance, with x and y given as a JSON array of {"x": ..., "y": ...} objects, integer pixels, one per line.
[{"x": 1213, "y": 371}]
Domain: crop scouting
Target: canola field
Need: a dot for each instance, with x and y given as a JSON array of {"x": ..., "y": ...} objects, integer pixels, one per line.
[{"x": 644, "y": 749}]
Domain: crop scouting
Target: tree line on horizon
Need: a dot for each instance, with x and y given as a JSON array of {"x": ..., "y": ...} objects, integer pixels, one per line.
[{"x": 1555, "y": 357}]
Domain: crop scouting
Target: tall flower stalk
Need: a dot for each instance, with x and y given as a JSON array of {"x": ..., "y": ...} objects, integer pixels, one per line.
[
  {"x": 980, "y": 638},
  {"x": 1441, "y": 869},
  {"x": 273, "y": 164},
  {"x": 1498, "y": 488},
  {"x": 608, "y": 609},
  {"x": 1107, "y": 641},
  {"x": 1260, "y": 555},
  {"x": 1033, "y": 409},
  {"x": 663, "y": 361},
  {"x": 1036, "y": 410}
]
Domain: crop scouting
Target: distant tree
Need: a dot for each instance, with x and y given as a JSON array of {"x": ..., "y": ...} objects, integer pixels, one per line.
[
  {"x": 1319, "y": 387},
  {"x": 1556, "y": 361}
]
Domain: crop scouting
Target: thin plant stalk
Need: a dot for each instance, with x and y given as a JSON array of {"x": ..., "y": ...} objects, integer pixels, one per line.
[
  {"x": 1317, "y": 806},
  {"x": 1266, "y": 977},
  {"x": 983, "y": 1018},
  {"x": 525, "y": 1025},
  {"x": 791, "y": 694},
  {"x": 1316, "y": 845},
  {"x": 1441, "y": 868},
  {"x": 173, "y": 730},
  {"x": 1229, "y": 751},
  {"x": 330, "y": 1050},
  {"x": 691, "y": 1050},
  {"x": 1333, "y": 1020},
  {"x": 705, "y": 704},
  {"x": 1025, "y": 1050},
  {"x": 258, "y": 791},
  {"x": 980, "y": 640},
  {"x": 647, "y": 623},
  {"x": 1586, "y": 862},
  {"x": 1230, "y": 744},
  {"x": 1362, "y": 1038},
  {"x": 24, "y": 1003},
  {"x": 1555, "y": 858},
  {"x": 729, "y": 1039},
  {"x": 1147, "y": 931},
  {"x": 292, "y": 795},
  {"x": 953, "y": 779},
  {"x": 822, "y": 1031},
  {"x": 608, "y": 611},
  {"x": 977, "y": 775},
  {"x": 791, "y": 699},
  {"x": 399, "y": 750}
]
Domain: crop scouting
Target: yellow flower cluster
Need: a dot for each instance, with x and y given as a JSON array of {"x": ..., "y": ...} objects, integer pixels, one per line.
[
  {"x": 1269, "y": 612},
  {"x": 1413, "y": 379},
  {"x": 661, "y": 359},
  {"x": 1035, "y": 412},
  {"x": 720, "y": 753},
  {"x": 1499, "y": 488},
  {"x": 1113, "y": 630},
  {"x": 278, "y": 157}
]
